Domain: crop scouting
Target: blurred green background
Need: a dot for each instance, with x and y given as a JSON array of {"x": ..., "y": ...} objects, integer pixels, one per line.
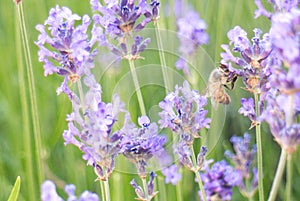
[{"x": 63, "y": 164}]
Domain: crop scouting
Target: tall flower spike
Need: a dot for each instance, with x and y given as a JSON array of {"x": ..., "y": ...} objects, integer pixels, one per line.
[
  {"x": 66, "y": 50},
  {"x": 191, "y": 34},
  {"x": 183, "y": 112},
  {"x": 285, "y": 38},
  {"x": 242, "y": 158},
  {"x": 119, "y": 19},
  {"x": 219, "y": 181},
  {"x": 287, "y": 136},
  {"x": 254, "y": 60},
  {"x": 91, "y": 130},
  {"x": 141, "y": 144}
]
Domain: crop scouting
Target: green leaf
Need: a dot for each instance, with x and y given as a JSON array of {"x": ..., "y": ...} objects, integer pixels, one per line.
[{"x": 15, "y": 191}]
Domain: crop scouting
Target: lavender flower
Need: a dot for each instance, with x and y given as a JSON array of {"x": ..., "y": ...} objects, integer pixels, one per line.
[
  {"x": 280, "y": 114},
  {"x": 243, "y": 162},
  {"x": 172, "y": 175},
  {"x": 285, "y": 38},
  {"x": 48, "y": 193},
  {"x": 255, "y": 58},
  {"x": 191, "y": 34},
  {"x": 119, "y": 19},
  {"x": 141, "y": 144},
  {"x": 91, "y": 130},
  {"x": 278, "y": 7},
  {"x": 119, "y": 22},
  {"x": 66, "y": 50},
  {"x": 219, "y": 181},
  {"x": 183, "y": 113}
]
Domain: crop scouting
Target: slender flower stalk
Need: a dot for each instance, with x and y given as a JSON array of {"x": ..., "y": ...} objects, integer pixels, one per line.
[
  {"x": 32, "y": 94},
  {"x": 137, "y": 87},
  {"x": 259, "y": 151},
  {"x": 162, "y": 57},
  {"x": 289, "y": 173},
  {"x": 106, "y": 186},
  {"x": 102, "y": 191},
  {"x": 278, "y": 175}
]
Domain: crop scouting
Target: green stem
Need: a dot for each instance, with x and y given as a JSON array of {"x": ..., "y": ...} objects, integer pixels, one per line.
[
  {"x": 259, "y": 151},
  {"x": 137, "y": 87},
  {"x": 201, "y": 188},
  {"x": 106, "y": 186},
  {"x": 179, "y": 188},
  {"x": 25, "y": 116},
  {"x": 32, "y": 95},
  {"x": 289, "y": 174},
  {"x": 162, "y": 189},
  {"x": 278, "y": 175},
  {"x": 162, "y": 57},
  {"x": 145, "y": 186},
  {"x": 102, "y": 190}
]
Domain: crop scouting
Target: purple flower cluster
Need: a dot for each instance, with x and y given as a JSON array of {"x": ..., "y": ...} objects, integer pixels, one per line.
[
  {"x": 219, "y": 181},
  {"x": 183, "y": 112},
  {"x": 120, "y": 21},
  {"x": 280, "y": 113},
  {"x": 141, "y": 144},
  {"x": 90, "y": 129},
  {"x": 48, "y": 193},
  {"x": 285, "y": 39},
  {"x": 66, "y": 50},
  {"x": 278, "y": 6},
  {"x": 191, "y": 34},
  {"x": 254, "y": 60},
  {"x": 243, "y": 162}
]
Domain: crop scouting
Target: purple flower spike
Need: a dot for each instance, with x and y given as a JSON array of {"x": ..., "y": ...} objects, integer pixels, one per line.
[
  {"x": 141, "y": 144},
  {"x": 66, "y": 50},
  {"x": 191, "y": 34},
  {"x": 119, "y": 19},
  {"x": 285, "y": 38},
  {"x": 90, "y": 129},
  {"x": 183, "y": 112},
  {"x": 172, "y": 175},
  {"x": 285, "y": 131},
  {"x": 254, "y": 58},
  {"x": 243, "y": 162},
  {"x": 219, "y": 180}
]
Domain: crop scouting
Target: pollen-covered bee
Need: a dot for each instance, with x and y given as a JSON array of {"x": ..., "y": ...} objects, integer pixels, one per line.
[{"x": 219, "y": 79}]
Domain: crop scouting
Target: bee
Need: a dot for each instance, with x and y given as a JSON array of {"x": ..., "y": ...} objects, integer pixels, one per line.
[{"x": 219, "y": 79}]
